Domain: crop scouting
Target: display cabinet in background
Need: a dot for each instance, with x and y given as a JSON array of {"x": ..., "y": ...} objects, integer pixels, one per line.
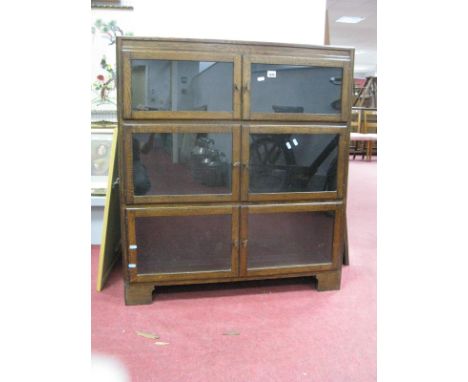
[{"x": 233, "y": 161}]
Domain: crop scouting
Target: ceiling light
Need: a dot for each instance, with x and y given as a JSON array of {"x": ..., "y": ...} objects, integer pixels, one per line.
[{"x": 350, "y": 19}]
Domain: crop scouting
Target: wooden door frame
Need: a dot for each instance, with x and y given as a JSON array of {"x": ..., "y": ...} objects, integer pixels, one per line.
[
  {"x": 131, "y": 213},
  {"x": 285, "y": 128},
  {"x": 129, "y": 113},
  {"x": 337, "y": 246},
  {"x": 171, "y": 128},
  {"x": 335, "y": 62}
]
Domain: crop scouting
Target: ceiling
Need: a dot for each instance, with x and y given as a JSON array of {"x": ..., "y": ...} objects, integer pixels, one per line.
[{"x": 362, "y": 36}]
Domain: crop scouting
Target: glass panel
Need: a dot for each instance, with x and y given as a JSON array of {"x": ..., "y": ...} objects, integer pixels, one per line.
[
  {"x": 182, "y": 164},
  {"x": 293, "y": 162},
  {"x": 289, "y": 239},
  {"x": 171, "y": 244},
  {"x": 167, "y": 85},
  {"x": 295, "y": 89}
]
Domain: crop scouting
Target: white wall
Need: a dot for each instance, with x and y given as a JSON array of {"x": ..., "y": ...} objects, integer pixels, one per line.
[{"x": 276, "y": 21}]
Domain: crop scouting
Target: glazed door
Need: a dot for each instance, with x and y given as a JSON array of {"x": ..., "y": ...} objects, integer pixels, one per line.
[
  {"x": 293, "y": 162},
  {"x": 290, "y": 238},
  {"x": 182, "y": 243},
  {"x": 296, "y": 88},
  {"x": 181, "y": 85},
  {"x": 168, "y": 163}
]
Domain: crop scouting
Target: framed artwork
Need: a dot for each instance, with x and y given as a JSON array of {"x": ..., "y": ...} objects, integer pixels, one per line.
[
  {"x": 102, "y": 152},
  {"x": 110, "y": 249},
  {"x": 104, "y": 32}
]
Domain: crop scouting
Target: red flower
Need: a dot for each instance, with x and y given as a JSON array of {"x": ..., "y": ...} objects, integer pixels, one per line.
[{"x": 100, "y": 77}]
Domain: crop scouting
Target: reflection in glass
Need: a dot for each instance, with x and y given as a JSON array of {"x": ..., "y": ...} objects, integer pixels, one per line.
[
  {"x": 290, "y": 239},
  {"x": 171, "y": 244},
  {"x": 166, "y": 85},
  {"x": 293, "y": 162},
  {"x": 295, "y": 89},
  {"x": 182, "y": 164}
]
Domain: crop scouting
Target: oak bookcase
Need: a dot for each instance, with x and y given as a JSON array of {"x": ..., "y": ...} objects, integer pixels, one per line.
[{"x": 233, "y": 161}]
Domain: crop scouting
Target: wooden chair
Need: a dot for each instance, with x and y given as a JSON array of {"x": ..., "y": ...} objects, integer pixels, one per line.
[
  {"x": 369, "y": 127},
  {"x": 367, "y": 133},
  {"x": 355, "y": 128}
]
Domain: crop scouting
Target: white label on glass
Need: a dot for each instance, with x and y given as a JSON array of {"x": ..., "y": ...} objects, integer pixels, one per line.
[
  {"x": 132, "y": 246},
  {"x": 271, "y": 73},
  {"x": 288, "y": 145},
  {"x": 132, "y": 265},
  {"x": 295, "y": 142},
  {"x": 259, "y": 79}
]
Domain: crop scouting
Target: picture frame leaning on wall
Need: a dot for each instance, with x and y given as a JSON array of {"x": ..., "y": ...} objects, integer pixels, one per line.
[{"x": 110, "y": 250}]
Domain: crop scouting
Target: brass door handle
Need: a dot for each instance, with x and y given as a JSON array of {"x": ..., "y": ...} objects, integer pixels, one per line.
[
  {"x": 235, "y": 244},
  {"x": 236, "y": 164},
  {"x": 244, "y": 243}
]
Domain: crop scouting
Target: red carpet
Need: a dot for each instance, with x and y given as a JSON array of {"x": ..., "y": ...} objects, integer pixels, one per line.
[{"x": 287, "y": 331}]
